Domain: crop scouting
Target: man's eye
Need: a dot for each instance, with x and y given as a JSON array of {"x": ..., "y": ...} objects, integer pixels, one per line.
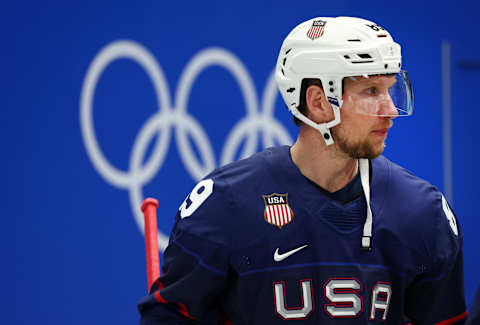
[{"x": 372, "y": 91}]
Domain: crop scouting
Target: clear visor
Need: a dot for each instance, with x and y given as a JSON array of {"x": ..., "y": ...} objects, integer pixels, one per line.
[{"x": 379, "y": 95}]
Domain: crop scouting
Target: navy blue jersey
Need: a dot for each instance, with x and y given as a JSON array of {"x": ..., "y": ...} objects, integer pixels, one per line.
[{"x": 258, "y": 243}]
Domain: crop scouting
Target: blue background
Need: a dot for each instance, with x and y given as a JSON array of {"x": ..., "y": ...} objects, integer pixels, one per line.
[{"x": 72, "y": 251}]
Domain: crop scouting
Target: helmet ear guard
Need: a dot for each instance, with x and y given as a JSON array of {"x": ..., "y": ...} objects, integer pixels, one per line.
[{"x": 330, "y": 49}]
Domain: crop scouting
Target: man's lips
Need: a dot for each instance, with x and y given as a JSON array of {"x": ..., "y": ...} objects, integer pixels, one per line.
[{"x": 381, "y": 131}]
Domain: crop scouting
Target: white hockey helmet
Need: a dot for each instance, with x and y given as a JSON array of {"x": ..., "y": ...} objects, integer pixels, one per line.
[{"x": 331, "y": 49}]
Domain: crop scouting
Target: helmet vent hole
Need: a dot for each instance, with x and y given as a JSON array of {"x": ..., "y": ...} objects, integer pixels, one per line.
[
  {"x": 365, "y": 61},
  {"x": 288, "y": 51},
  {"x": 284, "y": 60},
  {"x": 283, "y": 72},
  {"x": 364, "y": 56},
  {"x": 347, "y": 57},
  {"x": 354, "y": 40},
  {"x": 382, "y": 35}
]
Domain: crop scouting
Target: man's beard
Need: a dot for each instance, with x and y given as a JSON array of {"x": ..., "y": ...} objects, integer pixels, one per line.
[{"x": 359, "y": 149}]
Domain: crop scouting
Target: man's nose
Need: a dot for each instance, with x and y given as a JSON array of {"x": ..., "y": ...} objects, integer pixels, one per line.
[{"x": 387, "y": 107}]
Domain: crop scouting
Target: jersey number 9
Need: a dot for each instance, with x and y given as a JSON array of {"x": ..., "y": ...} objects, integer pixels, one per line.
[{"x": 198, "y": 195}]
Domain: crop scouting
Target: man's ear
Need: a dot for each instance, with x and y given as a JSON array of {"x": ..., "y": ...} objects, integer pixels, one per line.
[{"x": 319, "y": 109}]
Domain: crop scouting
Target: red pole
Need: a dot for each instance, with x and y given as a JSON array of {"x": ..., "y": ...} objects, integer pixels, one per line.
[{"x": 149, "y": 209}]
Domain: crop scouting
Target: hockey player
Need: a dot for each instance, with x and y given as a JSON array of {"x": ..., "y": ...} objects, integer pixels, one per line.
[{"x": 326, "y": 231}]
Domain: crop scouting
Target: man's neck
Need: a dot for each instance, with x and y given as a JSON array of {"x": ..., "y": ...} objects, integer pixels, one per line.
[{"x": 325, "y": 166}]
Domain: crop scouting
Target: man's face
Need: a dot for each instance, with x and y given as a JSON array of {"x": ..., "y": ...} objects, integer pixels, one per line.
[{"x": 362, "y": 132}]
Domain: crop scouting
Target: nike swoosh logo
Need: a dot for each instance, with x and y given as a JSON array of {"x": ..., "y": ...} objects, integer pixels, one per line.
[{"x": 280, "y": 257}]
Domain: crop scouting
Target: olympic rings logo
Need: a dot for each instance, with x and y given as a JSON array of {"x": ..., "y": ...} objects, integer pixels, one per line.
[{"x": 177, "y": 117}]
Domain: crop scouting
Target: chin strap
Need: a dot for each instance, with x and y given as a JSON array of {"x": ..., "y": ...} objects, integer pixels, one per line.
[
  {"x": 323, "y": 128},
  {"x": 367, "y": 228}
]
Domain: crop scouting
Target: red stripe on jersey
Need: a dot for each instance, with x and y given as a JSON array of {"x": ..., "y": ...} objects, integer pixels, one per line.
[
  {"x": 455, "y": 319},
  {"x": 183, "y": 310},
  {"x": 158, "y": 297}
]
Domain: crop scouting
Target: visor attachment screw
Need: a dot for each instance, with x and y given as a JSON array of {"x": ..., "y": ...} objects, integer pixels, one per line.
[{"x": 326, "y": 136}]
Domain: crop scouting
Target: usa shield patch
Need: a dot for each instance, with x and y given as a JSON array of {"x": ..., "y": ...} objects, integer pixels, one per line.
[
  {"x": 277, "y": 211},
  {"x": 316, "y": 30}
]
